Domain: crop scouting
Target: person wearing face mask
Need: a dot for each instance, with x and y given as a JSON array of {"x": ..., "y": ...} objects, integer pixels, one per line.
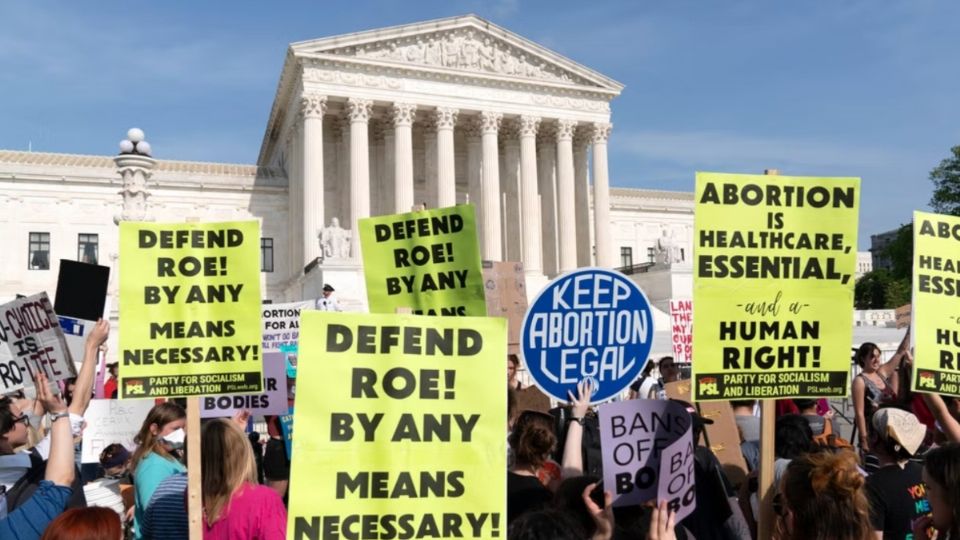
[{"x": 160, "y": 438}]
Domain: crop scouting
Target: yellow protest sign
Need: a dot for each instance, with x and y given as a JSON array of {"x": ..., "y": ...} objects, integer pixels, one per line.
[
  {"x": 407, "y": 424},
  {"x": 775, "y": 258},
  {"x": 936, "y": 320},
  {"x": 426, "y": 261},
  {"x": 190, "y": 306}
]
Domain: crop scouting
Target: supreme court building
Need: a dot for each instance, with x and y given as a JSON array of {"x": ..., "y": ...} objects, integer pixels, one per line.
[{"x": 431, "y": 114}]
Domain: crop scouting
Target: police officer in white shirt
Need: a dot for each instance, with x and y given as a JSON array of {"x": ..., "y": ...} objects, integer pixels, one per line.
[{"x": 328, "y": 302}]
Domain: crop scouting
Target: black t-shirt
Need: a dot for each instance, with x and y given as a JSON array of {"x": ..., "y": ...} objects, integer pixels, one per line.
[
  {"x": 525, "y": 494},
  {"x": 897, "y": 497}
]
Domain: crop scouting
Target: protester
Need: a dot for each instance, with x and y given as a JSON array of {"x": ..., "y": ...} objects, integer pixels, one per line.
[
  {"x": 85, "y": 524},
  {"x": 532, "y": 440},
  {"x": 807, "y": 408},
  {"x": 895, "y": 491},
  {"x": 669, "y": 372},
  {"x": 747, "y": 421},
  {"x": 166, "y": 515},
  {"x": 941, "y": 474},
  {"x": 641, "y": 387},
  {"x": 513, "y": 364},
  {"x": 159, "y": 440},
  {"x": 110, "y": 386},
  {"x": 234, "y": 504},
  {"x": 822, "y": 498},
  {"x": 948, "y": 418},
  {"x": 876, "y": 385},
  {"x": 24, "y": 471},
  {"x": 28, "y": 520}
]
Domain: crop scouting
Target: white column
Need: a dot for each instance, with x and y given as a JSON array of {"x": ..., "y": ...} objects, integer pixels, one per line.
[
  {"x": 446, "y": 119},
  {"x": 377, "y": 178},
  {"x": 580, "y": 178},
  {"x": 359, "y": 111},
  {"x": 490, "y": 189},
  {"x": 389, "y": 168},
  {"x": 403, "y": 156},
  {"x": 547, "y": 170},
  {"x": 343, "y": 170},
  {"x": 529, "y": 198},
  {"x": 313, "y": 106},
  {"x": 566, "y": 209},
  {"x": 601, "y": 197},
  {"x": 430, "y": 162},
  {"x": 513, "y": 238},
  {"x": 474, "y": 130}
]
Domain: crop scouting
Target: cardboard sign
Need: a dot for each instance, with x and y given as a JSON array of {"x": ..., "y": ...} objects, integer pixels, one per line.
[
  {"x": 647, "y": 449},
  {"x": 407, "y": 418},
  {"x": 81, "y": 290},
  {"x": 532, "y": 399},
  {"x": 31, "y": 341},
  {"x": 592, "y": 324},
  {"x": 426, "y": 261},
  {"x": 190, "y": 299},
  {"x": 681, "y": 330},
  {"x": 281, "y": 324},
  {"x": 773, "y": 278},
  {"x": 936, "y": 320},
  {"x": 112, "y": 421},
  {"x": 903, "y": 315},
  {"x": 505, "y": 287},
  {"x": 273, "y": 401}
]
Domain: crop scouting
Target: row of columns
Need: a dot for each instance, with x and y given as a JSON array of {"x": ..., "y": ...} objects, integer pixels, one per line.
[{"x": 564, "y": 210}]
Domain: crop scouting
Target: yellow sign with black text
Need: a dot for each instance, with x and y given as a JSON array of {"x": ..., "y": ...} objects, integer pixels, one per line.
[
  {"x": 774, "y": 265},
  {"x": 190, "y": 305},
  {"x": 406, "y": 421}
]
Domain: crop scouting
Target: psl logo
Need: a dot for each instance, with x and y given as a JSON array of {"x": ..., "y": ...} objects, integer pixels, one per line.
[
  {"x": 708, "y": 386},
  {"x": 134, "y": 388},
  {"x": 926, "y": 380}
]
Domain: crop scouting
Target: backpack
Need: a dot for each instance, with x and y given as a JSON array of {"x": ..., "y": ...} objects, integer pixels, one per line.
[{"x": 829, "y": 440}]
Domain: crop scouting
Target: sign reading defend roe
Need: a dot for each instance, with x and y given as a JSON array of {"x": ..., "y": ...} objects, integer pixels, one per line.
[
  {"x": 592, "y": 324},
  {"x": 190, "y": 299}
]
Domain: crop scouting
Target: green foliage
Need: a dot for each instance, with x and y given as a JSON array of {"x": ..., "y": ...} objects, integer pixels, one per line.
[
  {"x": 900, "y": 253},
  {"x": 879, "y": 290},
  {"x": 946, "y": 182}
]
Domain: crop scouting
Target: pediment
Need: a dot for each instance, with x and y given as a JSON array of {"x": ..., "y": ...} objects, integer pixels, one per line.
[{"x": 461, "y": 44}]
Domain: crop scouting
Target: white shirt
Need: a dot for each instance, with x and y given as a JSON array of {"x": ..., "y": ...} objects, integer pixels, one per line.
[{"x": 328, "y": 304}]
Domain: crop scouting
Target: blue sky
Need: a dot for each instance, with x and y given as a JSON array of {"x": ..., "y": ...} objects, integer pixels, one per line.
[{"x": 822, "y": 87}]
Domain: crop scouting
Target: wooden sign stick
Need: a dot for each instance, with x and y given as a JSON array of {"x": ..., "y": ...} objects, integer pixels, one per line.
[
  {"x": 766, "y": 489},
  {"x": 194, "y": 485}
]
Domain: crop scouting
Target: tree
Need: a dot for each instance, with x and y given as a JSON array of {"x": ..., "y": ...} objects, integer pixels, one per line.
[
  {"x": 879, "y": 290},
  {"x": 900, "y": 253},
  {"x": 946, "y": 181}
]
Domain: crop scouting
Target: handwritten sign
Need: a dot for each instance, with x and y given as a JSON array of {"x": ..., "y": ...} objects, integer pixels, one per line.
[{"x": 31, "y": 341}]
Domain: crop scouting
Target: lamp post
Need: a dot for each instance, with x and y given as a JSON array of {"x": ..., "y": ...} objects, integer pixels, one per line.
[{"x": 135, "y": 167}]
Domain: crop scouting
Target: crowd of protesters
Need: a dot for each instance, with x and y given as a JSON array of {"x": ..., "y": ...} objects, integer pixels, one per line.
[{"x": 900, "y": 480}]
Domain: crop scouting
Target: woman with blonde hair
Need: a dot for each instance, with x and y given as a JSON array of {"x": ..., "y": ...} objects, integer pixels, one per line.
[
  {"x": 234, "y": 505},
  {"x": 822, "y": 497},
  {"x": 159, "y": 441}
]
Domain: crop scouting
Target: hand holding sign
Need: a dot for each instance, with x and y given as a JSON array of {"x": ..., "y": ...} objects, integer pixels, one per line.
[
  {"x": 99, "y": 335},
  {"x": 602, "y": 517}
]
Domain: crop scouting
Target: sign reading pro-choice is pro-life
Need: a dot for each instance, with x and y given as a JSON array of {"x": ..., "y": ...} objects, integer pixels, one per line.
[{"x": 589, "y": 324}]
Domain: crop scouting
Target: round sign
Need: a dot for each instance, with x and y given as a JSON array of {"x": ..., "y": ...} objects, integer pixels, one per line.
[{"x": 591, "y": 324}]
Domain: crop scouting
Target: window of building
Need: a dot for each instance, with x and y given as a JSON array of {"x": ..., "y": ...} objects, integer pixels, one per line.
[
  {"x": 651, "y": 254},
  {"x": 88, "y": 248},
  {"x": 626, "y": 257},
  {"x": 39, "y": 251},
  {"x": 266, "y": 254},
  {"x": 683, "y": 256}
]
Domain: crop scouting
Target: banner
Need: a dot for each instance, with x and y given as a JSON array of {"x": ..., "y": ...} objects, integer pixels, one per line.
[
  {"x": 681, "y": 330},
  {"x": 190, "y": 302},
  {"x": 31, "y": 341},
  {"x": 505, "y": 286},
  {"x": 281, "y": 324},
  {"x": 407, "y": 421},
  {"x": 426, "y": 261},
  {"x": 272, "y": 401},
  {"x": 589, "y": 324},
  {"x": 112, "y": 421},
  {"x": 648, "y": 453},
  {"x": 936, "y": 286},
  {"x": 773, "y": 285}
]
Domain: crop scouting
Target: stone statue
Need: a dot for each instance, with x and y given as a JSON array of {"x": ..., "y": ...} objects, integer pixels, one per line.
[
  {"x": 335, "y": 241},
  {"x": 667, "y": 252}
]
